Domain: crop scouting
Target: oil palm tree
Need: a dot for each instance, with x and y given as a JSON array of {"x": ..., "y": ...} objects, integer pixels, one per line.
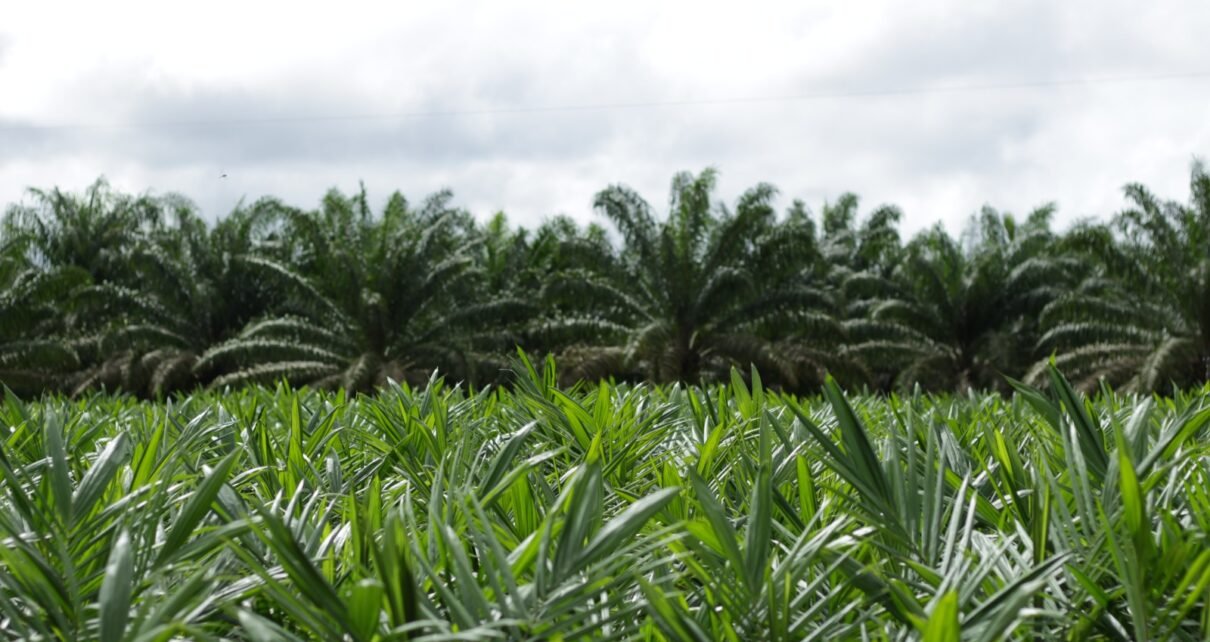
[
  {"x": 857, "y": 260},
  {"x": 35, "y": 355},
  {"x": 702, "y": 290},
  {"x": 369, "y": 299},
  {"x": 195, "y": 288},
  {"x": 91, "y": 230},
  {"x": 873, "y": 245},
  {"x": 92, "y": 234},
  {"x": 963, "y": 310},
  {"x": 545, "y": 266},
  {"x": 1141, "y": 319}
]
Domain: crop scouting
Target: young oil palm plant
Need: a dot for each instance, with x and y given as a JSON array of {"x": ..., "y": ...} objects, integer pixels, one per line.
[
  {"x": 962, "y": 313},
  {"x": 728, "y": 512},
  {"x": 702, "y": 290},
  {"x": 1141, "y": 320},
  {"x": 107, "y": 534},
  {"x": 369, "y": 299}
]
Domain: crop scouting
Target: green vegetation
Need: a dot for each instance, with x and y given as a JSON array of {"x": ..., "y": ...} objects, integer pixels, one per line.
[
  {"x": 106, "y": 291},
  {"x": 732, "y": 512},
  {"x": 656, "y": 490}
]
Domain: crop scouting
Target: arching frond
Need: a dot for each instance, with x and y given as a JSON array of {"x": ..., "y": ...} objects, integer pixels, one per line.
[
  {"x": 1092, "y": 332},
  {"x": 48, "y": 354},
  {"x": 239, "y": 353},
  {"x": 296, "y": 372},
  {"x": 300, "y": 330},
  {"x": 1169, "y": 362}
]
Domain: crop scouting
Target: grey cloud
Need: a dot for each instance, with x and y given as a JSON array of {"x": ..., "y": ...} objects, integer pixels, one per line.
[
  {"x": 25, "y": 140},
  {"x": 179, "y": 128},
  {"x": 941, "y": 156},
  {"x": 437, "y": 107},
  {"x": 1005, "y": 43}
]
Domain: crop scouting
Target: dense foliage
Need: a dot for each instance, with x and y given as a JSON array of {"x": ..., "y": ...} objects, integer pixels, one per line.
[
  {"x": 103, "y": 290},
  {"x": 729, "y": 512}
]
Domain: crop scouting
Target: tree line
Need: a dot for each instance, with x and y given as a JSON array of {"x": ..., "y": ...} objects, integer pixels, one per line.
[{"x": 138, "y": 293}]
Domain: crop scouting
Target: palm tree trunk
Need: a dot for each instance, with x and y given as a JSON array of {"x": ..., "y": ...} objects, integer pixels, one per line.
[{"x": 687, "y": 358}]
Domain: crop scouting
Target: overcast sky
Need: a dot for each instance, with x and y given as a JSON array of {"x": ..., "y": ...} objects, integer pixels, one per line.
[{"x": 939, "y": 107}]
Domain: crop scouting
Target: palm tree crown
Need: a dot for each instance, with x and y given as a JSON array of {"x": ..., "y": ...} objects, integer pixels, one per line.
[
  {"x": 1142, "y": 318},
  {"x": 963, "y": 314},
  {"x": 706, "y": 287},
  {"x": 371, "y": 298}
]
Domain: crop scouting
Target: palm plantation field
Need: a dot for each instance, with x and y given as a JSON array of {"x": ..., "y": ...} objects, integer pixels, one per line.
[
  {"x": 618, "y": 511},
  {"x": 747, "y": 424}
]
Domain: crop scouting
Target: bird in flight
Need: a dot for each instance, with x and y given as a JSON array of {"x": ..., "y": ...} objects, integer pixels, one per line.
[{"x": 223, "y": 175}]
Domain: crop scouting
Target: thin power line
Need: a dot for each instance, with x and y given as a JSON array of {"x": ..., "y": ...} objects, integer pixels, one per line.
[{"x": 503, "y": 111}]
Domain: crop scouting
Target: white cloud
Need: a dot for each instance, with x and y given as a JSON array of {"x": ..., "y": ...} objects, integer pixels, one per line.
[{"x": 938, "y": 155}]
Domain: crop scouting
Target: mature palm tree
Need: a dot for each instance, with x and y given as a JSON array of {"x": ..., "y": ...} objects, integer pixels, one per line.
[
  {"x": 854, "y": 265},
  {"x": 91, "y": 231},
  {"x": 370, "y": 298},
  {"x": 871, "y": 246},
  {"x": 524, "y": 267},
  {"x": 550, "y": 267},
  {"x": 521, "y": 261},
  {"x": 1142, "y": 319},
  {"x": 194, "y": 288},
  {"x": 963, "y": 314},
  {"x": 34, "y": 355},
  {"x": 72, "y": 241},
  {"x": 701, "y": 291}
]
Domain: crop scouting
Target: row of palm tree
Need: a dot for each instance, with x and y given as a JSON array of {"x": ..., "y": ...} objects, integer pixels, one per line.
[{"x": 104, "y": 290}]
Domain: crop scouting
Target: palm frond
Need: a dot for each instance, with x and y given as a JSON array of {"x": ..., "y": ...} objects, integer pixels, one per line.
[{"x": 296, "y": 372}]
